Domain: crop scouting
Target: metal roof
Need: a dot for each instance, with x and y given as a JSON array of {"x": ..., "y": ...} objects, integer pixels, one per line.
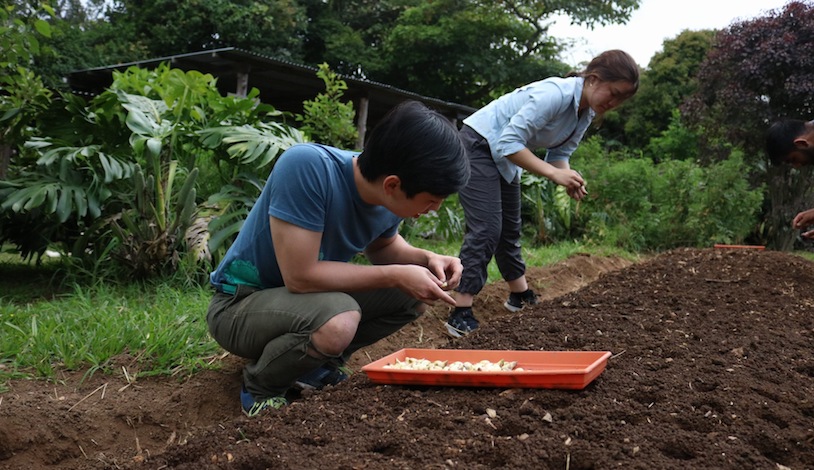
[{"x": 283, "y": 84}]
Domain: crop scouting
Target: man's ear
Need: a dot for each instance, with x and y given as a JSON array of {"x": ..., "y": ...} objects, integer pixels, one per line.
[
  {"x": 391, "y": 184},
  {"x": 802, "y": 142}
]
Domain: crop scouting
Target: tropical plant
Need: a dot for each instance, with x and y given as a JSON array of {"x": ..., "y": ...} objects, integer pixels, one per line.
[
  {"x": 119, "y": 176},
  {"x": 22, "y": 93}
]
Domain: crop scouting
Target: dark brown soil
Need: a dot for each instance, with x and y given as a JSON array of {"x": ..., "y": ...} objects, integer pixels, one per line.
[{"x": 712, "y": 369}]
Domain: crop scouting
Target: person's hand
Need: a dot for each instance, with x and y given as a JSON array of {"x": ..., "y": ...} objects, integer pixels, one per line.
[
  {"x": 425, "y": 286},
  {"x": 577, "y": 193},
  {"x": 573, "y": 182},
  {"x": 802, "y": 220},
  {"x": 448, "y": 270}
]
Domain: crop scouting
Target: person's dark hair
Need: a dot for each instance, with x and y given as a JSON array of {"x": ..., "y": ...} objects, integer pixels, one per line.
[
  {"x": 612, "y": 66},
  {"x": 421, "y": 147},
  {"x": 780, "y": 138}
]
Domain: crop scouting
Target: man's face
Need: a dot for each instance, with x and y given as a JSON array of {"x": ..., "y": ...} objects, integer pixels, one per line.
[
  {"x": 803, "y": 153},
  {"x": 401, "y": 205},
  {"x": 799, "y": 158},
  {"x": 419, "y": 205}
]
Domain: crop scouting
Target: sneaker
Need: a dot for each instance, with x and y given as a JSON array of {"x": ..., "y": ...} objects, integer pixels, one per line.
[
  {"x": 330, "y": 373},
  {"x": 461, "y": 322},
  {"x": 252, "y": 407},
  {"x": 518, "y": 300}
]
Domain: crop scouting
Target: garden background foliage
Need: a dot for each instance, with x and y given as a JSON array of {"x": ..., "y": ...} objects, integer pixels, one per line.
[{"x": 158, "y": 172}]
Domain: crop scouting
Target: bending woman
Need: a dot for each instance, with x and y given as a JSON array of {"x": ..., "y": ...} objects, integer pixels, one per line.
[{"x": 551, "y": 114}]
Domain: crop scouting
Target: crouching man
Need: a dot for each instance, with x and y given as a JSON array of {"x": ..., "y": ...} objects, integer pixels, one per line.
[{"x": 287, "y": 297}]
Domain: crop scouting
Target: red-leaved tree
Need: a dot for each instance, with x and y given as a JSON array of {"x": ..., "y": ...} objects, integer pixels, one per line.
[{"x": 756, "y": 72}]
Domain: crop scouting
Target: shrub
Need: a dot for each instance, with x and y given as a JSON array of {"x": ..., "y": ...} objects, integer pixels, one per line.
[{"x": 645, "y": 206}]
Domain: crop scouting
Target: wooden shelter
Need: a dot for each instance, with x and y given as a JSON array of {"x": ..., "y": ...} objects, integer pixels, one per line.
[{"x": 282, "y": 84}]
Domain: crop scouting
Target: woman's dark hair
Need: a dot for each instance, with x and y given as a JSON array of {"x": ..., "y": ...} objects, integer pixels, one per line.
[
  {"x": 612, "y": 66},
  {"x": 421, "y": 147},
  {"x": 780, "y": 138}
]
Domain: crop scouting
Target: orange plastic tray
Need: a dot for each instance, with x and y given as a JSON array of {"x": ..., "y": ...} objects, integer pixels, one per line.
[
  {"x": 541, "y": 369},
  {"x": 741, "y": 247}
]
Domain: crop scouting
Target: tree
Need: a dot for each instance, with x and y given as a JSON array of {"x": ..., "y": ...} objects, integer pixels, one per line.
[
  {"x": 757, "y": 71},
  {"x": 466, "y": 51},
  {"x": 457, "y": 50},
  {"x": 139, "y": 29},
  {"x": 668, "y": 80}
]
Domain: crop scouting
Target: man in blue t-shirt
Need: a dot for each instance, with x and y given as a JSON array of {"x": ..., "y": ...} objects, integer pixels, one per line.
[{"x": 289, "y": 300}]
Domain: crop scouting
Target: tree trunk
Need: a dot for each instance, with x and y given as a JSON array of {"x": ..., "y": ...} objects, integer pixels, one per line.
[{"x": 5, "y": 160}]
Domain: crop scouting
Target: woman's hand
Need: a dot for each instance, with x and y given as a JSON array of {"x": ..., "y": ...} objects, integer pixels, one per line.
[{"x": 573, "y": 182}]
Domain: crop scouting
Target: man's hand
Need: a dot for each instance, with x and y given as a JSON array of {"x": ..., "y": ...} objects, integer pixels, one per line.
[
  {"x": 448, "y": 270},
  {"x": 421, "y": 283},
  {"x": 802, "y": 220}
]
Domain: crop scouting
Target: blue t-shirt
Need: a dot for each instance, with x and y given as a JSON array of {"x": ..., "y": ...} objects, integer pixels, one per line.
[
  {"x": 543, "y": 114},
  {"x": 311, "y": 186}
]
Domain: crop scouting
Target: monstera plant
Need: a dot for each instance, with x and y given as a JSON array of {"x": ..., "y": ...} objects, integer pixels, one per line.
[{"x": 139, "y": 174}]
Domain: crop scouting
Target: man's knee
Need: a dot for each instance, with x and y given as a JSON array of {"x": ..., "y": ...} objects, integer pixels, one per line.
[{"x": 336, "y": 334}]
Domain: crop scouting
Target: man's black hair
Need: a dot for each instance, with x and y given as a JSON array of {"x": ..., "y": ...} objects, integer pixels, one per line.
[
  {"x": 421, "y": 147},
  {"x": 780, "y": 138}
]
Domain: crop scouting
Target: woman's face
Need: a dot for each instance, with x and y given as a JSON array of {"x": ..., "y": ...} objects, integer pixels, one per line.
[{"x": 604, "y": 96}]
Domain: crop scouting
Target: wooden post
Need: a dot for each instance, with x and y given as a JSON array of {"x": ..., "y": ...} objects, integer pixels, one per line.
[
  {"x": 242, "y": 83},
  {"x": 361, "y": 122},
  {"x": 5, "y": 160}
]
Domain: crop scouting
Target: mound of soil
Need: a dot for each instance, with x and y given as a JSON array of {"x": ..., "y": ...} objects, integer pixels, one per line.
[{"x": 711, "y": 369}]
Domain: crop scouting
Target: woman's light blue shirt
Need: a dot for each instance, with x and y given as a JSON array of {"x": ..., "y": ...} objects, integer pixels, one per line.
[{"x": 543, "y": 114}]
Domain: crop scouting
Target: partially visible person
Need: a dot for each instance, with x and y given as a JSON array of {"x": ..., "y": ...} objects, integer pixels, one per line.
[
  {"x": 791, "y": 141},
  {"x": 500, "y": 139},
  {"x": 287, "y": 297}
]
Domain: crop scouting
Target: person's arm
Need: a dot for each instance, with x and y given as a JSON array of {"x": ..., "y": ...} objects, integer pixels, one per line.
[
  {"x": 549, "y": 105},
  {"x": 396, "y": 250},
  {"x": 558, "y": 171},
  {"x": 297, "y": 251},
  {"x": 802, "y": 220}
]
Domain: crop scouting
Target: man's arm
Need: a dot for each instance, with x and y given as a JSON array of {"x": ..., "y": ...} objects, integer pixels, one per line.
[{"x": 297, "y": 251}]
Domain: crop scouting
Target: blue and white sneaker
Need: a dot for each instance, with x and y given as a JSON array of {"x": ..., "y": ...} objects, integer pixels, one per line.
[
  {"x": 330, "y": 373},
  {"x": 518, "y": 300},
  {"x": 252, "y": 407},
  {"x": 461, "y": 322}
]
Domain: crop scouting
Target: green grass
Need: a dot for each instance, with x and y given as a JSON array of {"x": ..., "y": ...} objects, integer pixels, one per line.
[{"x": 159, "y": 327}]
